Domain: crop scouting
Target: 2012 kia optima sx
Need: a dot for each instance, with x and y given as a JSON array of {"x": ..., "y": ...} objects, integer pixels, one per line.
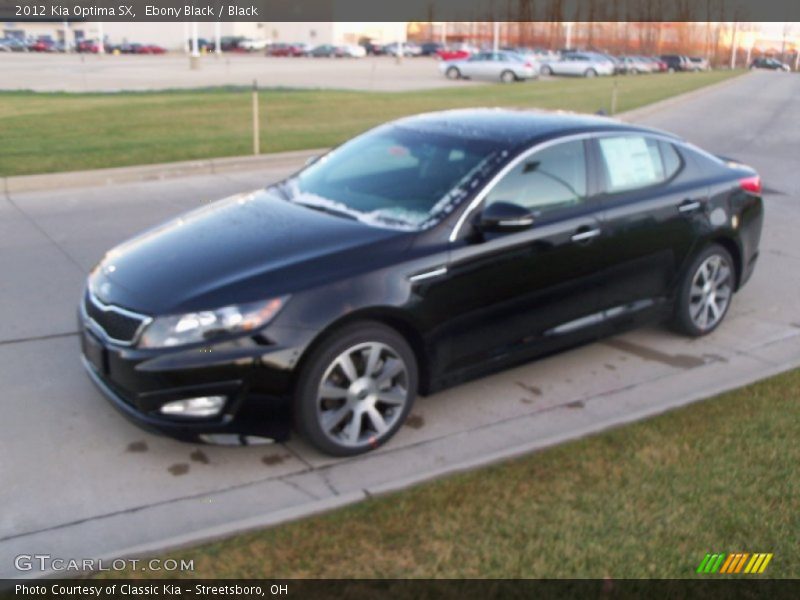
[{"x": 422, "y": 253}]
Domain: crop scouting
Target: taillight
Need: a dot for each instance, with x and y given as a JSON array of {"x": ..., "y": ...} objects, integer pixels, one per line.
[
  {"x": 529, "y": 65},
  {"x": 751, "y": 184}
]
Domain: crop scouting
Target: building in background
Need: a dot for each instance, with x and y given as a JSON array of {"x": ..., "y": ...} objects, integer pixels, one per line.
[{"x": 173, "y": 36}]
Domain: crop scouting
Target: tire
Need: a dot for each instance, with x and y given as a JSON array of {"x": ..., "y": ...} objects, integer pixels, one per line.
[
  {"x": 453, "y": 73},
  {"x": 508, "y": 76},
  {"x": 701, "y": 305},
  {"x": 545, "y": 70},
  {"x": 590, "y": 73},
  {"x": 380, "y": 402}
]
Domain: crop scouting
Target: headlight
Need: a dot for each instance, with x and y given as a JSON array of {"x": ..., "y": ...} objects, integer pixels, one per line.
[{"x": 179, "y": 330}]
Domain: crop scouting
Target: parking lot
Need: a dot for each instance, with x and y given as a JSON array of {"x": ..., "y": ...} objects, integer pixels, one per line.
[
  {"x": 80, "y": 481},
  {"x": 92, "y": 72}
]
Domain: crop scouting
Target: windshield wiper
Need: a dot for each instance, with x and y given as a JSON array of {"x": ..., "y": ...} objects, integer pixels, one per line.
[{"x": 327, "y": 209}]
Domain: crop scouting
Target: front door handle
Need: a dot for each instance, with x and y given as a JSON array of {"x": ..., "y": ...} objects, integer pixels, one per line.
[
  {"x": 688, "y": 206},
  {"x": 584, "y": 235}
]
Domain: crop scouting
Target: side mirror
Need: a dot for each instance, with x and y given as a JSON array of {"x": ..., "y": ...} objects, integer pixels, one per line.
[{"x": 505, "y": 217}]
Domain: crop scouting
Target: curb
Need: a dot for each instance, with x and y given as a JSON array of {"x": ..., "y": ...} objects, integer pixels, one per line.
[
  {"x": 155, "y": 172},
  {"x": 211, "y": 166}
]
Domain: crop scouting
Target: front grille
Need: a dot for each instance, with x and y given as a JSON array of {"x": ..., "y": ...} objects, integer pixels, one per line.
[{"x": 119, "y": 324}]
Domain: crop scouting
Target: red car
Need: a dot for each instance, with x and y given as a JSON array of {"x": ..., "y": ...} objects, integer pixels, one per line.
[
  {"x": 457, "y": 52},
  {"x": 42, "y": 45},
  {"x": 153, "y": 49},
  {"x": 287, "y": 50}
]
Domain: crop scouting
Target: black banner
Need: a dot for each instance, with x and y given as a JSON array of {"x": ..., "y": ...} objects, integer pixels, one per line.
[
  {"x": 404, "y": 10},
  {"x": 418, "y": 589}
]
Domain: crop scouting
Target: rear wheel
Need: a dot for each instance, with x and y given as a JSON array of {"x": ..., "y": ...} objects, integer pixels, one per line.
[
  {"x": 545, "y": 70},
  {"x": 508, "y": 77},
  {"x": 453, "y": 73},
  {"x": 356, "y": 389},
  {"x": 590, "y": 73},
  {"x": 706, "y": 292}
]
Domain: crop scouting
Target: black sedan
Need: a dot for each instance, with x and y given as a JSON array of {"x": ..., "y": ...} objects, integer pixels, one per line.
[{"x": 422, "y": 253}]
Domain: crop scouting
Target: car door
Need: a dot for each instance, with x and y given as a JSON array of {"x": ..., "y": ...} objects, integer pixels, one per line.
[
  {"x": 511, "y": 293},
  {"x": 473, "y": 66},
  {"x": 649, "y": 215}
]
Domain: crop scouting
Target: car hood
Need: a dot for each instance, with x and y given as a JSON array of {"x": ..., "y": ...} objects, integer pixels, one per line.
[{"x": 242, "y": 249}]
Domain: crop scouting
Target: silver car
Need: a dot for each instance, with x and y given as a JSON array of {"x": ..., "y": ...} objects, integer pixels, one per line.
[
  {"x": 505, "y": 66},
  {"x": 582, "y": 64}
]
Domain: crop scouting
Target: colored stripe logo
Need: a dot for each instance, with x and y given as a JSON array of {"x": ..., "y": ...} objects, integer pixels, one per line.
[{"x": 738, "y": 562}]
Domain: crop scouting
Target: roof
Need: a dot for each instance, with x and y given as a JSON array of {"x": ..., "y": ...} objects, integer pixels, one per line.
[{"x": 517, "y": 127}]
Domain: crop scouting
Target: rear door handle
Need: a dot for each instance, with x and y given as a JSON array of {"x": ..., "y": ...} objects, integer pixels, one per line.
[
  {"x": 584, "y": 235},
  {"x": 688, "y": 206}
]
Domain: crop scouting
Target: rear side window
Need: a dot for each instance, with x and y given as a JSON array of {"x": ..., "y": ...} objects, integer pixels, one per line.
[{"x": 633, "y": 162}]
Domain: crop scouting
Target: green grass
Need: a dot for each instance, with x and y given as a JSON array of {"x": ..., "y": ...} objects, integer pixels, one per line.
[
  {"x": 50, "y": 132},
  {"x": 646, "y": 500}
]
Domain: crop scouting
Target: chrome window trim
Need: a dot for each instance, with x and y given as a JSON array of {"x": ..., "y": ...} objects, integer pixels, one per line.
[
  {"x": 476, "y": 201},
  {"x": 145, "y": 320}
]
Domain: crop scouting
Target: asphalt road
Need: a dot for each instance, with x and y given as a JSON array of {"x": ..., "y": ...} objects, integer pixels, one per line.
[{"x": 78, "y": 481}]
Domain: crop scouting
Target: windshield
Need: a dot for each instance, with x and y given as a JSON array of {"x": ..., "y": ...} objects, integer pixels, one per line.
[{"x": 396, "y": 176}]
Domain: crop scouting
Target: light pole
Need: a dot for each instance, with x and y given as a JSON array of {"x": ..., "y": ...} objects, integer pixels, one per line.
[
  {"x": 66, "y": 38},
  {"x": 194, "y": 58},
  {"x": 217, "y": 38},
  {"x": 101, "y": 42},
  {"x": 568, "y": 35},
  {"x": 496, "y": 37}
]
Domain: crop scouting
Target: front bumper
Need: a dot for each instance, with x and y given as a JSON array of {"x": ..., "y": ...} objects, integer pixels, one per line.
[{"x": 256, "y": 381}]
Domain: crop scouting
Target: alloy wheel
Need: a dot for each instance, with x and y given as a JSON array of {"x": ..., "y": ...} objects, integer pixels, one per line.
[
  {"x": 362, "y": 394},
  {"x": 710, "y": 293}
]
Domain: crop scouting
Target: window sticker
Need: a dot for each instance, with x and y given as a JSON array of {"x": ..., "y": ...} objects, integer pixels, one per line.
[{"x": 629, "y": 163}]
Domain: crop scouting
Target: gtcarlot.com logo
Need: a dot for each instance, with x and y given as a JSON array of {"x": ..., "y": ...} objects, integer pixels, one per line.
[
  {"x": 742, "y": 563},
  {"x": 47, "y": 562}
]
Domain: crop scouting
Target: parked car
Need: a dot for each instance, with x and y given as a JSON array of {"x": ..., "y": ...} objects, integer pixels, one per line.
[
  {"x": 424, "y": 252},
  {"x": 700, "y": 64},
  {"x": 323, "y": 50},
  {"x": 634, "y": 65},
  {"x": 232, "y": 43},
  {"x": 430, "y": 48},
  {"x": 350, "y": 51},
  {"x": 408, "y": 49},
  {"x": 13, "y": 45},
  {"x": 372, "y": 48},
  {"x": 42, "y": 44},
  {"x": 583, "y": 64},
  {"x": 769, "y": 63},
  {"x": 252, "y": 44},
  {"x": 503, "y": 66},
  {"x": 282, "y": 49},
  {"x": 457, "y": 52},
  {"x": 203, "y": 45},
  {"x": 677, "y": 62},
  {"x": 659, "y": 66}
]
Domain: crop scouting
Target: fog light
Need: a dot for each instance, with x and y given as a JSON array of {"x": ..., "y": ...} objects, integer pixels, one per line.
[{"x": 202, "y": 406}]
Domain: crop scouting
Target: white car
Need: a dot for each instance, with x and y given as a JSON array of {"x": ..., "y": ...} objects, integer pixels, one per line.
[
  {"x": 351, "y": 51},
  {"x": 253, "y": 44},
  {"x": 505, "y": 66},
  {"x": 582, "y": 64}
]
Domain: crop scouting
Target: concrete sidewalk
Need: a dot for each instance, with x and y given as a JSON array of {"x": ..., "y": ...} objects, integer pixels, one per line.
[{"x": 80, "y": 482}]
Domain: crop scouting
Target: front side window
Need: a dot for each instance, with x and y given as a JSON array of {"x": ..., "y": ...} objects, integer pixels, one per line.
[
  {"x": 633, "y": 162},
  {"x": 547, "y": 182}
]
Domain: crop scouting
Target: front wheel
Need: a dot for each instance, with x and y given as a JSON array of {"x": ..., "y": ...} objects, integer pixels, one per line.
[
  {"x": 356, "y": 389},
  {"x": 453, "y": 73},
  {"x": 590, "y": 73},
  {"x": 706, "y": 291}
]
